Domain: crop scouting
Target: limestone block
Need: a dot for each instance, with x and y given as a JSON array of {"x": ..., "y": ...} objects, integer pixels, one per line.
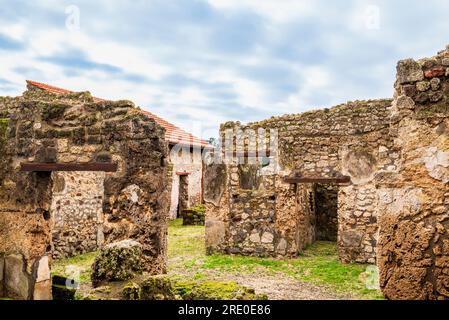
[
  {"x": 255, "y": 237},
  {"x": 409, "y": 71},
  {"x": 423, "y": 86},
  {"x": 42, "y": 290},
  {"x": 117, "y": 261},
  {"x": 282, "y": 246},
  {"x": 43, "y": 269},
  {"x": 215, "y": 235},
  {"x": 435, "y": 83},
  {"x": 351, "y": 238},
  {"x": 16, "y": 279},
  {"x": 267, "y": 237}
]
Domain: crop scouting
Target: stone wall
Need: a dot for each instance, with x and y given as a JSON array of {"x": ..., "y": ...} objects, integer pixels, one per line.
[
  {"x": 326, "y": 208},
  {"x": 413, "y": 249},
  {"x": 262, "y": 221},
  {"x": 186, "y": 160},
  {"x": 348, "y": 140},
  {"x": 77, "y": 213},
  {"x": 43, "y": 127}
]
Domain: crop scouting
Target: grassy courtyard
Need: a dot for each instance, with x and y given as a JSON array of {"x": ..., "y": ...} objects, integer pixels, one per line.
[{"x": 315, "y": 274}]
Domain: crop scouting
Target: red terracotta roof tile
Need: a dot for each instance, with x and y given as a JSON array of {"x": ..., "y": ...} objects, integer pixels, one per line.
[{"x": 173, "y": 134}]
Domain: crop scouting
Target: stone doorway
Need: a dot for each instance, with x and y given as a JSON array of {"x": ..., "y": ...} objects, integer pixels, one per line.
[
  {"x": 326, "y": 212},
  {"x": 183, "y": 195}
]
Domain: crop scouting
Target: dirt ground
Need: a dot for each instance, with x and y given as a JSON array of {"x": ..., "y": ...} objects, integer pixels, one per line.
[{"x": 316, "y": 274}]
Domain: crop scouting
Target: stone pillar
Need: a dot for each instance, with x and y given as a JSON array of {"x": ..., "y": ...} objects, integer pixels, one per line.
[{"x": 357, "y": 223}]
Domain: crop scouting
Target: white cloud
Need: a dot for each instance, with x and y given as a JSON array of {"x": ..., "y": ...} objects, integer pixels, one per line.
[
  {"x": 183, "y": 73},
  {"x": 279, "y": 11}
]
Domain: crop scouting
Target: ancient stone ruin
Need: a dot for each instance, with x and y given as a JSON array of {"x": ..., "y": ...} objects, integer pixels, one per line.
[
  {"x": 372, "y": 175},
  {"x": 76, "y": 173}
]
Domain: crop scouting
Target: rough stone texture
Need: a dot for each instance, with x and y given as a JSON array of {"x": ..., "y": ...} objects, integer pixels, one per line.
[
  {"x": 131, "y": 291},
  {"x": 117, "y": 262},
  {"x": 413, "y": 247},
  {"x": 77, "y": 213},
  {"x": 17, "y": 282},
  {"x": 326, "y": 211},
  {"x": 351, "y": 139},
  {"x": 162, "y": 287},
  {"x": 357, "y": 227},
  {"x": 44, "y": 127},
  {"x": 2, "y": 272},
  {"x": 157, "y": 288}
]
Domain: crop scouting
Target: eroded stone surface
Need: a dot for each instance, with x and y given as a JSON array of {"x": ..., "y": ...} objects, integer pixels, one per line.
[
  {"x": 117, "y": 262},
  {"x": 413, "y": 203},
  {"x": 76, "y": 128}
]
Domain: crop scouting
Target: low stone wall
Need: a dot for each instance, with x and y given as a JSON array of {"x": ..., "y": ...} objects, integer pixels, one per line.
[{"x": 194, "y": 216}]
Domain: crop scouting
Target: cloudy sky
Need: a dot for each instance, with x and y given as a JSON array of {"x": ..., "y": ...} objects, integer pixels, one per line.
[{"x": 199, "y": 63}]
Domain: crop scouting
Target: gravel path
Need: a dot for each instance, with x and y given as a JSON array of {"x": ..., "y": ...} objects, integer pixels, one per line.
[
  {"x": 286, "y": 288},
  {"x": 279, "y": 286}
]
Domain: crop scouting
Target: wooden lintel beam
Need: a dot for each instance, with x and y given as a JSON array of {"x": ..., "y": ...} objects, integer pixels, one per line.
[
  {"x": 324, "y": 180},
  {"x": 49, "y": 167}
]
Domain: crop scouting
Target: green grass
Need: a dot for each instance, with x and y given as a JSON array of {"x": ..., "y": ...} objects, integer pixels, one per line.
[
  {"x": 82, "y": 263},
  {"x": 185, "y": 241},
  {"x": 317, "y": 264}
]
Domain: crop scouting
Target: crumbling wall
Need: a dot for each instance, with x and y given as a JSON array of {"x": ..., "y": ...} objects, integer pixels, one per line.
[
  {"x": 348, "y": 140},
  {"x": 413, "y": 248},
  {"x": 44, "y": 127},
  {"x": 270, "y": 219}
]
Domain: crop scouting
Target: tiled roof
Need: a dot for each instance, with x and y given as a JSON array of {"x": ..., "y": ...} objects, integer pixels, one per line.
[{"x": 173, "y": 134}]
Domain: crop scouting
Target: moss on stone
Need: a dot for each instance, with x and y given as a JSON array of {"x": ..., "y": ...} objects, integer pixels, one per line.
[
  {"x": 215, "y": 290},
  {"x": 131, "y": 291},
  {"x": 4, "y": 122},
  {"x": 194, "y": 216},
  {"x": 199, "y": 208},
  {"x": 53, "y": 111},
  {"x": 117, "y": 262},
  {"x": 158, "y": 287}
]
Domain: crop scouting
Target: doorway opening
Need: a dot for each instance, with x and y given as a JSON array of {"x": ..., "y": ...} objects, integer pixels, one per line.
[
  {"x": 326, "y": 212},
  {"x": 183, "y": 195}
]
